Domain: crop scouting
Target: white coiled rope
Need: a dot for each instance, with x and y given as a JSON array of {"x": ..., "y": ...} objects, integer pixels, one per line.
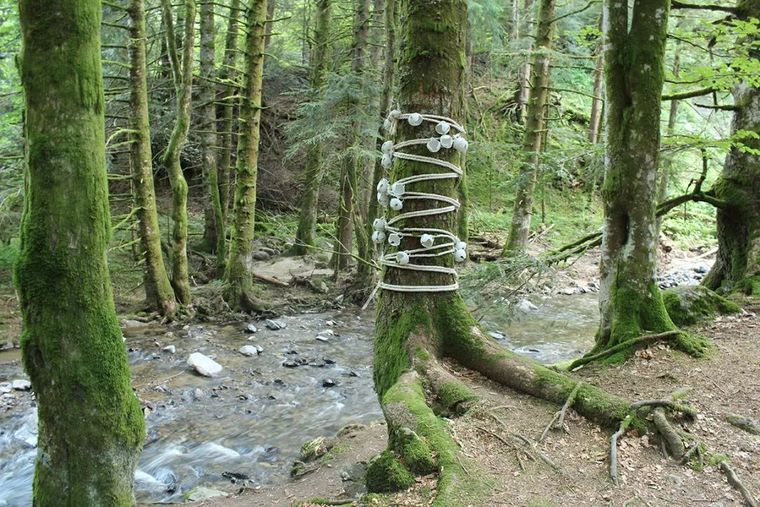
[{"x": 433, "y": 242}]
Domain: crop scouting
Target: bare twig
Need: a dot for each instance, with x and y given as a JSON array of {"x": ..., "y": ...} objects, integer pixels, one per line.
[{"x": 734, "y": 481}]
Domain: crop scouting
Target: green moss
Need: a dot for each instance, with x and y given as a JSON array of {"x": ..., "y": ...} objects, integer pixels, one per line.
[
  {"x": 386, "y": 474},
  {"x": 694, "y": 304},
  {"x": 414, "y": 452},
  {"x": 453, "y": 395}
]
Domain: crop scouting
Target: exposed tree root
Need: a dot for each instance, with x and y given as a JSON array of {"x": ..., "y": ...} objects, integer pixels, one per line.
[
  {"x": 671, "y": 437},
  {"x": 734, "y": 481},
  {"x": 613, "y": 448},
  {"x": 558, "y": 421}
]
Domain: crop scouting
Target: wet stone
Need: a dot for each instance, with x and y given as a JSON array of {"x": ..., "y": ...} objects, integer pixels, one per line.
[
  {"x": 290, "y": 364},
  {"x": 260, "y": 255},
  {"x": 251, "y": 328},
  {"x": 204, "y": 365},
  {"x": 274, "y": 325},
  {"x": 249, "y": 350},
  {"x": 21, "y": 385},
  {"x": 497, "y": 335},
  {"x": 328, "y": 382},
  {"x": 171, "y": 349}
]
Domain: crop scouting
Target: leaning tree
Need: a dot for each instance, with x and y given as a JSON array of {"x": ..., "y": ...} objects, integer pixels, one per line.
[
  {"x": 90, "y": 424},
  {"x": 737, "y": 265},
  {"x": 421, "y": 316}
]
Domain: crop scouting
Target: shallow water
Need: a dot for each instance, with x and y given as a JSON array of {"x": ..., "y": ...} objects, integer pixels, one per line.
[{"x": 253, "y": 418}]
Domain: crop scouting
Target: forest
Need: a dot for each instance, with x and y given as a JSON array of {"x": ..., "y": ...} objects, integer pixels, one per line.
[{"x": 380, "y": 253}]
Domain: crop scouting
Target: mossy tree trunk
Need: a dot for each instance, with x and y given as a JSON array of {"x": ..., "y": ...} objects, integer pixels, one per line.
[
  {"x": 524, "y": 74},
  {"x": 349, "y": 183},
  {"x": 213, "y": 235},
  {"x": 737, "y": 265},
  {"x": 183, "y": 80},
  {"x": 158, "y": 289},
  {"x": 238, "y": 274},
  {"x": 91, "y": 427},
  {"x": 229, "y": 90},
  {"x": 314, "y": 168},
  {"x": 414, "y": 330},
  {"x": 535, "y": 126},
  {"x": 630, "y": 300}
]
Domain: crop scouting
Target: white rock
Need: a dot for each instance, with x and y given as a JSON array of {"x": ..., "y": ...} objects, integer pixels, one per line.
[
  {"x": 274, "y": 325},
  {"x": 5, "y": 387},
  {"x": 204, "y": 364},
  {"x": 171, "y": 349},
  {"x": 249, "y": 350},
  {"x": 21, "y": 385},
  {"x": 129, "y": 323},
  {"x": 323, "y": 338},
  {"x": 526, "y": 306}
]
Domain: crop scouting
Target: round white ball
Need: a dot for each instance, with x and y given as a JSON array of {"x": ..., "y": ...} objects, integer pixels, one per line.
[
  {"x": 415, "y": 119},
  {"x": 396, "y": 204},
  {"x": 378, "y": 224},
  {"x": 402, "y": 258},
  {"x": 460, "y": 255},
  {"x": 394, "y": 239},
  {"x": 397, "y": 189},
  {"x": 387, "y": 147},
  {"x": 460, "y": 144},
  {"x": 386, "y": 161},
  {"x": 378, "y": 237},
  {"x": 427, "y": 241},
  {"x": 443, "y": 127},
  {"x": 383, "y": 186},
  {"x": 433, "y": 145},
  {"x": 447, "y": 141}
]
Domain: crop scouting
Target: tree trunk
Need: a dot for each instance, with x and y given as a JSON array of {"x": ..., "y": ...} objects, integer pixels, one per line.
[
  {"x": 349, "y": 182},
  {"x": 415, "y": 329},
  {"x": 524, "y": 74},
  {"x": 271, "y": 5},
  {"x": 228, "y": 75},
  {"x": 737, "y": 265},
  {"x": 91, "y": 427},
  {"x": 597, "y": 103},
  {"x": 213, "y": 235},
  {"x": 630, "y": 300},
  {"x": 183, "y": 76},
  {"x": 534, "y": 129},
  {"x": 667, "y": 163},
  {"x": 158, "y": 289},
  {"x": 238, "y": 275},
  {"x": 314, "y": 169}
]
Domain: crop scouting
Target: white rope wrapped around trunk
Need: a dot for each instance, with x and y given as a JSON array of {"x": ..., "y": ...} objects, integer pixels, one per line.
[{"x": 433, "y": 242}]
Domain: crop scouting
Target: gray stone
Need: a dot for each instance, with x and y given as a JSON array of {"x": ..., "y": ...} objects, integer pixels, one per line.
[
  {"x": 323, "y": 338},
  {"x": 274, "y": 325},
  {"x": 131, "y": 323},
  {"x": 197, "y": 393},
  {"x": 260, "y": 255},
  {"x": 171, "y": 349},
  {"x": 249, "y": 350},
  {"x": 200, "y": 493},
  {"x": 204, "y": 365},
  {"x": 5, "y": 387},
  {"x": 21, "y": 385},
  {"x": 496, "y": 334},
  {"x": 328, "y": 382},
  {"x": 251, "y": 328},
  {"x": 526, "y": 306}
]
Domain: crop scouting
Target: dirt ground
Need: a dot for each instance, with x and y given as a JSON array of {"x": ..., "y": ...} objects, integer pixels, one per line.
[{"x": 491, "y": 450}]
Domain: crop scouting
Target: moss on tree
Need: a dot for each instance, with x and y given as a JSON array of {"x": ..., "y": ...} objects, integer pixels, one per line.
[
  {"x": 694, "y": 304},
  {"x": 91, "y": 427}
]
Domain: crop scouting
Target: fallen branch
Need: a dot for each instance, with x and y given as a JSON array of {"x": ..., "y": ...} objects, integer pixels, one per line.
[
  {"x": 613, "y": 448},
  {"x": 270, "y": 279},
  {"x": 734, "y": 481},
  {"x": 672, "y": 405}
]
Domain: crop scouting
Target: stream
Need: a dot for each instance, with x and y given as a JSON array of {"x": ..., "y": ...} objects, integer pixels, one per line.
[{"x": 248, "y": 423}]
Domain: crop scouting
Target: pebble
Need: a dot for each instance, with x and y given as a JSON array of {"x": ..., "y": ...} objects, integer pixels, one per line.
[
  {"x": 249, "y": 350},
  {"x": 526, "y": 306},
  {"x": 201, "y": 493},
  {"x": 171, "y": 349},
  {"x": 290, "y": 364},
  {"x": 251, "y": 328},
  {"x": 130, "y": 323},
  {"x": 5, "y": 387},
  {"x": 328, "y": 382},
  {"x": 322, "y": 338},
  {"x": 204, "y": 365},
  {"x": 497, "y": 335},
  {"x": 274, "y": 325},
  {"x": 260, "y": 255},
  {"x": 21, "y": 385}
]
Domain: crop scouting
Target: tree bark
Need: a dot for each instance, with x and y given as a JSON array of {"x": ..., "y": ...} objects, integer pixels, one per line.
[
  {"x": 737, "y": 265},
  {"x": 524, "y": 74},
  {"x": 534, "y": 128},
  {"x": 91, "y": 427},
  {"x": 630, "y": 300},
  {"x": 314, "y": 169},
  {"x": 238, "y": 275},
  {"x": 183, "y": 77},
  {"x": 597, "y": 103},
  {"x": 667, "y": 163},
  {"x": 158, "y": 289},
  {"x": 214, "y": 232},
  {"x": 271, "y": 5},
  {"x": 349, "y": 182},
  {"x": 229, "y": 91}
]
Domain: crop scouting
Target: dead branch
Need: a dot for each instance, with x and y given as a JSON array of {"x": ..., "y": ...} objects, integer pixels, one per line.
[
  {"x": 613, "y": 448},
  {"x": 734, "y": 481}
]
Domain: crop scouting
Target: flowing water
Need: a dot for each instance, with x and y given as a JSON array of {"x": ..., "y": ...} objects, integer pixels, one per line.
[{"x": 252, "y": 419}]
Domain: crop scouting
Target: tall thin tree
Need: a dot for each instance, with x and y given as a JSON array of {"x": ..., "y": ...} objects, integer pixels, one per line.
[
  {"x": 91, "y": 427},
  {"x": 238, "y": 276},
  {"x": 158, "y": 288},
  {"x": 182, "y": 71}
]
